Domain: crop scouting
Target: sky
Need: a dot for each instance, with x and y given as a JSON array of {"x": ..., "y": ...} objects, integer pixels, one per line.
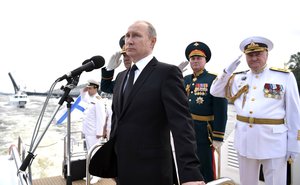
[{"x": 41, "y": 40}]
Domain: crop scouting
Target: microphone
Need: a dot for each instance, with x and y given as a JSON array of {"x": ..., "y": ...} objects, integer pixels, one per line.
[{"x": 88, "y": 65}]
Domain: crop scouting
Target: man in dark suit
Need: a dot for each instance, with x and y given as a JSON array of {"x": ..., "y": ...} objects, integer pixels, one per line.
[{"x": 143, "y": 119}]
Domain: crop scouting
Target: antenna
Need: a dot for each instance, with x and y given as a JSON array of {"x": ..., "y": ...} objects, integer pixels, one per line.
[{"x": 16, "y": 88}]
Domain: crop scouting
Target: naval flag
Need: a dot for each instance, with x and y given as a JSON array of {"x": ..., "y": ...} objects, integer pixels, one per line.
[{"x": 78, "y": 106}]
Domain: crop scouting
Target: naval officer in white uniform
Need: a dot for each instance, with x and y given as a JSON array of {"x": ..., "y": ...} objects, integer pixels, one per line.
[
  {"x": 94, "y": 115},
  {"x": 267, "y": 104}
]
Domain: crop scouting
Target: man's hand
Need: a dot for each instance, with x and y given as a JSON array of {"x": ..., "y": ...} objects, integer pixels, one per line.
[
  {"x": 290, "y": 156},
  {"x": 217, "y": 144},
  {"x": 182, "y": 66},
  {"x": 114, "y": 61},
  {"x": 230, "y": 69},
  {"x": 85, "y": 89}
]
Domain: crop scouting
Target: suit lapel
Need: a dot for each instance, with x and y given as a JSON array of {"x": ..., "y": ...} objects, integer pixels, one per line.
[
  {"x": 140, "y": 82},
  {"x": 120, "y": 89}
]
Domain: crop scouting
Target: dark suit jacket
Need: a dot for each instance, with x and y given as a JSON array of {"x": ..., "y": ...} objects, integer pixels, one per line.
[{"x": 156, "y": 105}]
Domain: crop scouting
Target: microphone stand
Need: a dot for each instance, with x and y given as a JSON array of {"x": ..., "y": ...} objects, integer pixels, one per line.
[
  {"x": 72, "y": 83},
  {"x": 69, "y": 101}
]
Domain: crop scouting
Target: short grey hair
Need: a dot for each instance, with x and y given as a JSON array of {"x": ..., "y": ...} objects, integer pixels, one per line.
[{"x": 151, "y": 29}]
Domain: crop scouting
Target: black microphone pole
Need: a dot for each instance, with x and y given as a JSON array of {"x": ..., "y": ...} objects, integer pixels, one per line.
[
  {"x": 67, "y": 98},
  {"x": 72, "y": 83},
  {"x": 73, "y": 79}
]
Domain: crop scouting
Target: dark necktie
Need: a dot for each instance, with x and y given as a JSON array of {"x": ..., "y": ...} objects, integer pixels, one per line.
[{"x": 129, "y": 84}]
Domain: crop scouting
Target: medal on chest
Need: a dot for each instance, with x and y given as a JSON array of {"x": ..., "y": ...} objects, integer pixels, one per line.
[
  {"x": 201, "y": 89},
  {"x": 273, "y": 91},
  {"x": 199, "y": 100}
]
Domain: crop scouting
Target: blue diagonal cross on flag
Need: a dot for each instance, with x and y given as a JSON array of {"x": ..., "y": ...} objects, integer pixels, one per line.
[{"x": 77, "y": 105}]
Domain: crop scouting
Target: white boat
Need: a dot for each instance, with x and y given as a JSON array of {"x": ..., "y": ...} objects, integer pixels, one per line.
[{"x": 19, "y": 99}]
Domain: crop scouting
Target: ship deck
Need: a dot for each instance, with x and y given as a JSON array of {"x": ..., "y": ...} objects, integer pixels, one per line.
[{"x": 60, "y": 180}]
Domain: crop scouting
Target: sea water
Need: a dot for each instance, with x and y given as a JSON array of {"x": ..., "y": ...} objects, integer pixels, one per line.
[{"x": 20, "y": 122}]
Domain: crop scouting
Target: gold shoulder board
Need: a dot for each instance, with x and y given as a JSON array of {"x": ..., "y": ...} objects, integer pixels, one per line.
[
  {"x": 98, "y": 97},
  {"x": 280, "y": 69}
]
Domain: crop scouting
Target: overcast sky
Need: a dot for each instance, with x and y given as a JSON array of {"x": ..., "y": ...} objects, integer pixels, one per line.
[{"x": 42, "y": 40}]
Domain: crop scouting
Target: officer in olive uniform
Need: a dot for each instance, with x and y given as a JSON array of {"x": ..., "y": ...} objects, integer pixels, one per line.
[
  {"x": 107, "y": 83},
  {"x": 208, "y": 112},
  {"x": 267, "y": 104}
]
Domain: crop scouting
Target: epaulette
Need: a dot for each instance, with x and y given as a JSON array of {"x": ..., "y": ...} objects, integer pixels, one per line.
[
  {"x": 216, "y": 74},
  {"x": 98, "y": 97},
  {"x": 240, "y": 72},
  {"x": 280, "y": 69}
]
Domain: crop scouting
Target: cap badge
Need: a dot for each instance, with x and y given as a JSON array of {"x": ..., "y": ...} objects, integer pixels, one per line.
[
  {"x": 196, "y": 44},
  {"x": 252, "y": 45}
]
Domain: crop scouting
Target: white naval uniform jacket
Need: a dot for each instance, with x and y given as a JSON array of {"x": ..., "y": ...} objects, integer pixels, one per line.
[
  {"x": 264, "y": 141},
  {"x": 94, "y": 115}
]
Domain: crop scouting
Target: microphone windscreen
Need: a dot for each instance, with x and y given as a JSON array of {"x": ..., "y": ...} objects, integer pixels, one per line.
[
  {"x": 98, "y": 61},
  {"x": 86, "y": 61},
  {"x": 90, "y": 66}
]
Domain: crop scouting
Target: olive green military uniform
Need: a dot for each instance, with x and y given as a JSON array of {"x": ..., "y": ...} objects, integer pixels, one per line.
[{"x": 209, "y": 113}]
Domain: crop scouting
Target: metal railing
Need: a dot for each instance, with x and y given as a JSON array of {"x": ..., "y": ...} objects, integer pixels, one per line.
[
  {"x": 24, "y": 177},
  {"x": 222, "y": 181},
  {"x": 73, "y": 143},
  {"x": 91, "y": 151}
]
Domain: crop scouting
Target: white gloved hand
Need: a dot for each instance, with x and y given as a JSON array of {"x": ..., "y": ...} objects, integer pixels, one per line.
[
  {"x": 230, "y": 69},
  {"x": 290, "y": 156},
  {"x": 114, "y": 61},
  {"x": 182, "y": 66},
  {"x": 217, "y": 144}
]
